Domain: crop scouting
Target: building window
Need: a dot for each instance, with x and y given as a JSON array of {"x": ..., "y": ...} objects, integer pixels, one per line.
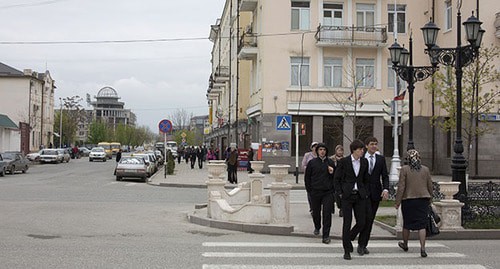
[
  {"x": 448, "y": 15},
  {"x": 390, "y": 77},
  {"x": 400, "y": 17},
  {"x": 365, "y": 15},
  {"x": 302, "y": 64},
  {"x": 332, "y": 72},
  {"x": 365, "y": 73},
  {"x": 300, "y": 15}
]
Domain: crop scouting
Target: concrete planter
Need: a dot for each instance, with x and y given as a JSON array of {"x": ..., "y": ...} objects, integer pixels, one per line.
[
  {"x": 216, "y": 169},
  {"x": 258, "y": 166},
  {"x": 448, "y": 189},
  {"x": 279, "y": 171}
]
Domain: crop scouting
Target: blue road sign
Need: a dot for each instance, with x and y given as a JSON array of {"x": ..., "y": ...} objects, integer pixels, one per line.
[
  {"x": 165, "y": 126},
  {"x": 284, "y": 123}
]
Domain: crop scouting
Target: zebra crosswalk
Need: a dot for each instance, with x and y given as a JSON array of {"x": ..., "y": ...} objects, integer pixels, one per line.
[{"x": 290, "y": 255}]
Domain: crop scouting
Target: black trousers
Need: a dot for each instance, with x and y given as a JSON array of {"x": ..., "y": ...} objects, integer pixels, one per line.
[
  {"x": 371, "y": 208},
  {"x": 200, "y": 162},
  {"x": 350, "y": 204},
  {"x": 322, "y": 203},
  {"x": 193, "y": 161}
]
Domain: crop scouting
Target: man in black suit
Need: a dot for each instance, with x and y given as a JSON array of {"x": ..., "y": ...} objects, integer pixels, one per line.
[
  {"x": 378, "y": 189},
  {"x": 351, "y": 185}
]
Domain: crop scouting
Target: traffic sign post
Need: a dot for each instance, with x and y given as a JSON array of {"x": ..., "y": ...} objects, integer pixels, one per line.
[{"x": 165, "y": 126}]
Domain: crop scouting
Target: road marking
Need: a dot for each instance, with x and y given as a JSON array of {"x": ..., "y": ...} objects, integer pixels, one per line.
[
  {"x": 324, "y": 255},
  {"x": 245, "y": 266},
  {"x": 306, "y": 245}
]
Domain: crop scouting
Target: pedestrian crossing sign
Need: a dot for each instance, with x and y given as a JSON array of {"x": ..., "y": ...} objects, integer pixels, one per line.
[{"x": 284, "y": 123}]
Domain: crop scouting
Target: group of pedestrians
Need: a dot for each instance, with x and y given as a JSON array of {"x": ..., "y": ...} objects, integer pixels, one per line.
[{"x": 357, "y": 183}]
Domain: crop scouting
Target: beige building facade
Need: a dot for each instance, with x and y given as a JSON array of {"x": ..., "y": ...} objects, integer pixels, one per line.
[
  {"x": 27, "y": 97},
  {"x": 326, "y": 64}
]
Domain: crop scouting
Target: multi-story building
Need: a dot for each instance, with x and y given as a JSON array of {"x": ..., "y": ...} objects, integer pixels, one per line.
[
  {"x": 198, "y": 125},
  {"x": 107, "y": 109},
  {"x": 27, "y": 97},
  {"x": 327, "y": 65}
]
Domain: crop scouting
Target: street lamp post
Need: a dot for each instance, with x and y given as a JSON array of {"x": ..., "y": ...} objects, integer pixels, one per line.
[
  {"x": 60, "y": 123},
  {"x": 410, "y": 74},
  {"x": 459, "y": 57}
]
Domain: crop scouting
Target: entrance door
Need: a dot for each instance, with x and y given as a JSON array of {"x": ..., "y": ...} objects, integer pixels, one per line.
[{"x": 332, "y": 16}]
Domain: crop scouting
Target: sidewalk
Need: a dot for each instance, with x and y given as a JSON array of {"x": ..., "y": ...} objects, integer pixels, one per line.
[{"x": 300, "y": 220}]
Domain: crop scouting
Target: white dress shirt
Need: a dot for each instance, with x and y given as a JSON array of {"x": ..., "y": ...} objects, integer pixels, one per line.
[{"x": 356, "y": 165}]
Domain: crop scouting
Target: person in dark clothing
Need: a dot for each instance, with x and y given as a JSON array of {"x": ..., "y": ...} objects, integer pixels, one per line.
[
  {"x": 232, "y": 165},
  {"x": 201, "y": 156},
  {"x": 351, "y": 185},
  {"x": 378, "y": 189},
  {"x": 250, "y": 158},
  {"x": 319, "y": 185},
  {"x": 204, "y": 152},
  {"x": 180, "y": 153},
  {"x": 187, "y": 154},
  {"x": 192, "y": 156},
  {"x": 119, "y": 155}
]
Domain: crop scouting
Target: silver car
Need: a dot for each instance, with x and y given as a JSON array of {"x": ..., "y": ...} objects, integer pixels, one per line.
[
  {"x": 97, "y": 153},
  {"x": 16, "y": 162},
  {"x": 50, "y": 156},
  {"x": 131, "y": 167}
]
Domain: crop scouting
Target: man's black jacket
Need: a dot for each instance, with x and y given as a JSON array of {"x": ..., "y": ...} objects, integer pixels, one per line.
[{"x": 317, "y": 178}]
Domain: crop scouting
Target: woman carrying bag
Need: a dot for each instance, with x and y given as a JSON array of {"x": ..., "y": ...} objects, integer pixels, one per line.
[{"x": 414, "y": 195}]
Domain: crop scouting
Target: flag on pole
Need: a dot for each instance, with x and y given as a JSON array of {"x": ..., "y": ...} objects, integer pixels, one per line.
[{"x": 401, "y": 96}]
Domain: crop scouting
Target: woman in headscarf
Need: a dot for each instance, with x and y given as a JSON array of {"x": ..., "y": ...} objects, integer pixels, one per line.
[{"x": 414, "y": 195}]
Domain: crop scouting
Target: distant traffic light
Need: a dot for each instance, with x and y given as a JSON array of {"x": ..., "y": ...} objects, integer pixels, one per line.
[{"x": 302, "y": 128}]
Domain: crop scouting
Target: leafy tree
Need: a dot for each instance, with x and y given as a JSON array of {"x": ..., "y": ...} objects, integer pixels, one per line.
[
  {"x": 181, "y": 118},
  {"x": 190, "y": 137},
  {"x": 72, "y": 114},
  {"x": 98, "y": 132},
  {"x": 479, "y": 95}
]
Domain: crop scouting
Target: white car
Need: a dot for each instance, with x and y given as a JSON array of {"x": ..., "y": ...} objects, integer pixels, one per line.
[
  {"x": 97, "y": 153},
  {"x": 34, "y": 156}
]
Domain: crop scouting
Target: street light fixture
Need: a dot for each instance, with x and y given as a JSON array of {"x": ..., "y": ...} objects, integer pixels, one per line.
[
  {"x": 459, "y": 57},
  {"x": 410, "y": 74}
]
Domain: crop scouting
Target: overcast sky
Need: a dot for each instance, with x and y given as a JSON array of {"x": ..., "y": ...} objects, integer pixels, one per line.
[{"x": 153, "y": 79}]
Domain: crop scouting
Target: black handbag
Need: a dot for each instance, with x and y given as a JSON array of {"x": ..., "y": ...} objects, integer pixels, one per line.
[{"x": 432, "y": 229}]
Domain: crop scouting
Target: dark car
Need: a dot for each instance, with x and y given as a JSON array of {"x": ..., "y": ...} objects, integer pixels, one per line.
[
  {"x": 15, "y": 162},
  {"x": 3, "y": 166}
]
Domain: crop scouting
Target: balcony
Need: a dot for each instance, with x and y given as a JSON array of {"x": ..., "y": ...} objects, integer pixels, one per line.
[
  {"x": 248, "y": 5},
  {"x": 350, "y": 36},
  {"x": 221, "y": 74},
  {"x": 497, "y": 25},
  {"x": 247, "y": 47}
]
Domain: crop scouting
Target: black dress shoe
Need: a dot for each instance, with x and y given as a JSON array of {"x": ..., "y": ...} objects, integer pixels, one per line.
[
  {"x": 340, "y": 213},
  {"x": 366, "y": 251},
  {"x": 326, "y": 240},
  {"x": 361, "y": 250},
  {"x": 423, "y": 254},
  {"x": 347, "y": 255},
  {"x": 316, "y": 232},
  {"x": 403, "y": 246}
]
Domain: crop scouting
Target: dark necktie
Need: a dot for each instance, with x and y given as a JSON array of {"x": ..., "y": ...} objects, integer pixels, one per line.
[{"x": 371, "y": 164}]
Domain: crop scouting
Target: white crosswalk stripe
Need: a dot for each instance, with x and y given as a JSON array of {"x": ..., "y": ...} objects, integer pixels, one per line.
[{"x": 298, "y": 252}]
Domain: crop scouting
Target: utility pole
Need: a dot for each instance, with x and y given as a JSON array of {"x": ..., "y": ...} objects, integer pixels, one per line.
[{"x": 395, "y": 161}]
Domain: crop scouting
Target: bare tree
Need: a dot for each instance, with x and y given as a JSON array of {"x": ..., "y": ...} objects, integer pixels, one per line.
[{"x": 181, "y": 118}]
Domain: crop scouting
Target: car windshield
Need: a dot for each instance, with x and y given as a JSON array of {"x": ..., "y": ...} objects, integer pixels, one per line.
[
  {"x": 97, "y": 150},
  {"x": 8, "y": 155},
  {"x": 132, "y": 160},
  {"x": 49, "y": 152}
]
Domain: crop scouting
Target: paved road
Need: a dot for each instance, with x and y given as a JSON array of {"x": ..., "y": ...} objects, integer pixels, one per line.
[{"x": 76, "y": 215}]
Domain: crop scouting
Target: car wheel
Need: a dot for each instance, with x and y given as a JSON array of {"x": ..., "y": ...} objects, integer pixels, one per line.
[
  {"x": 104, "y": 160},
  {"x": 25, "y": 169},
  {"x": 2, "y": 173},
  {"x": 145, "y": 179},
  {"x": 12, "y": 170},
  {"x": 90, "y": 159},
  {"x": 118, "y": 178}
]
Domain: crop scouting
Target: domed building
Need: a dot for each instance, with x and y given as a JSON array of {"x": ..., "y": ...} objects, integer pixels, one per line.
[{"x": 106, "y": 108}]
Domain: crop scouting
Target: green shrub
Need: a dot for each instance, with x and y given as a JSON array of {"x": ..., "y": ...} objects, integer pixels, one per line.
[{"x": 170, "y": 163}]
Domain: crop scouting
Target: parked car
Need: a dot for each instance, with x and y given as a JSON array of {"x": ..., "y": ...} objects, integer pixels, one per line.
[
  {"x": 65, "y": 155},
  {"x": 15, "y": 162},
  {"x": 148, "y": 160},
  {"x": 97, "y": 153},
  {"x": 84, "y": 152},
  {"x": 50, "y": 156},
  {"x": 34, "y": 156},
  {"x": 131, "y": 167},
  {"x": 3, "y": 166}
]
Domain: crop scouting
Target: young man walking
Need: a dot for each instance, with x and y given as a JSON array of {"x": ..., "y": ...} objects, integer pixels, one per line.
[
  {"x": 378, "y": 189},
  {"x": 319, "y": 185},
  {"x": 351, "y": 185}
]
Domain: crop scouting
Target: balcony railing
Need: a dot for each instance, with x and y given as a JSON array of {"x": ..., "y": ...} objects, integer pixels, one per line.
[
  {"x": 497, "y": 25},
  {"x": 247, "y": 47},
  {"x": 341, "y": 36}
]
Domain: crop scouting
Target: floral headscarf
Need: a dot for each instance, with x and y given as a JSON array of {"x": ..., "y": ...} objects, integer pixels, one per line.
[{"x": 414, "y": 160}]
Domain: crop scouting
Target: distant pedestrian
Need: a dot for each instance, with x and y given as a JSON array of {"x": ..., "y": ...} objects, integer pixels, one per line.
[
  {"x": 338, "y": 154},
  {"x": 250, "y": 158},
  {"x": 201, "y": 156},
  {"x": 192, "y": 156},
  {"x": 232, "y": 166},
  {"x": 119, "y": 155},
  {"x": 307, "y": 157}
]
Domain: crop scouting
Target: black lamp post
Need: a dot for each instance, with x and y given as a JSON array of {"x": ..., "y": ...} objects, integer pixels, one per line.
[
  {"x": 458, "y": 57},
  {"x": 410, "y": 74}
]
